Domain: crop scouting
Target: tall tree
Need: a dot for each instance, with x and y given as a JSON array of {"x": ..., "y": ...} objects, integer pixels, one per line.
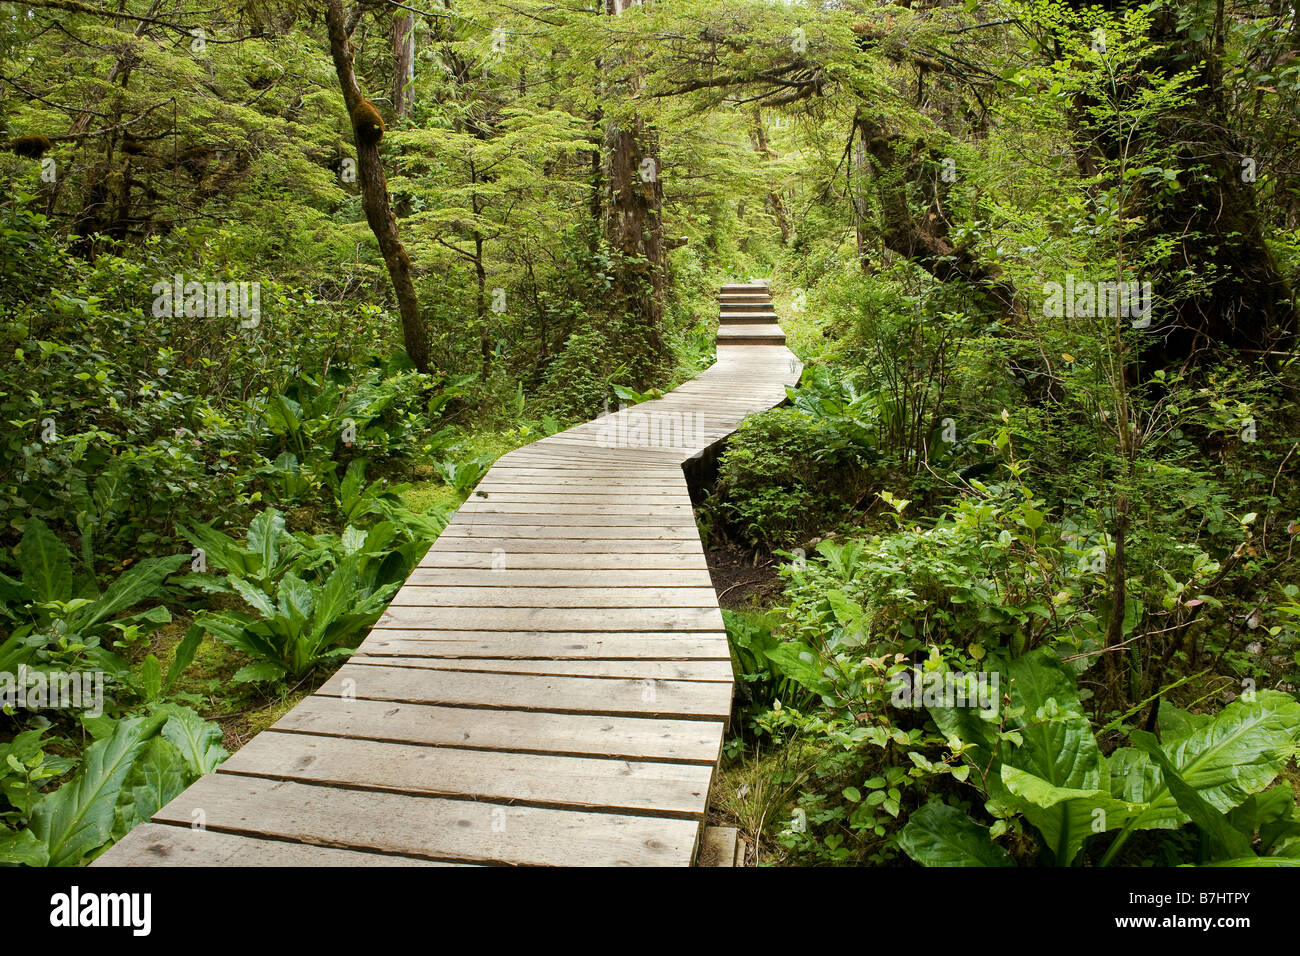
[
  {"x": 403, "y": 64},
  {"x": 368, "y": 129},
  {"x": 634, "y": 216}
]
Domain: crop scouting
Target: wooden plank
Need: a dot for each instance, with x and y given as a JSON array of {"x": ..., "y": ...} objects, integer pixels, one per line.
[
  {"x": 422, "y": 595},
  {"x": 156, "y": 844},
  {"x": 639, "y": 668},
  {"x": 430, "y": 827},
  {"x": 554, "y": 694},
  {"x": 536, "y": 779},
  {"x": 553, "y": 619},
  {"x": 559, "y": 502},
  {"x": 558, "y": 646},
  {"x": 549, "y": 559},
  {"x": 540, "y": 533},
  {"x": 678, "y": 520},
  {"x": 555, "y": 478},
  {"x": 599, "y": 551},
  {"x": 484, "y": 576},
  {"x": 630, "y": 738}
]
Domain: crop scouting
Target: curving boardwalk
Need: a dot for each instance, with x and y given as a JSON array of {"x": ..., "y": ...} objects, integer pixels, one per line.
[{"x": 549, "y": 687}]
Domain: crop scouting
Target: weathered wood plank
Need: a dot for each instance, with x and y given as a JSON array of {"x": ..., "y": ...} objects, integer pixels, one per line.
[
  {"x": 554, "y": 647},
  {"x": 560, "y": 578},
  {"x": 156, "y": 844},
  {"x": 630, "y": 738},
  {"x": 673, "y": 511},
  {"x": 422, "y": 595},
  {"x": 677, "y": 520},
  {"x": 594, "y": 547},
  {"x": 578, "y": 782},
  {"x": 553, "y": 619},
  {"x": 550, "y": 559},
  {"x": 431, "y": 827},
  {"x": 555, "y": 694},
  {"x": 541, "y": 533},
  {"x": 639, "y": 668}
]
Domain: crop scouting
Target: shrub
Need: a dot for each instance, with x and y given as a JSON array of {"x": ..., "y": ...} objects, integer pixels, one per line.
[{"x": 778, "y": 482}]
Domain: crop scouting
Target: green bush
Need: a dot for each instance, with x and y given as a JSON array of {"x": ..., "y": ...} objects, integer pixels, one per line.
[{"x": 780, "y": 479}]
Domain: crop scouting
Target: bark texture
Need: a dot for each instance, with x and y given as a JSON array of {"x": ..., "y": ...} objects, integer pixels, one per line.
[{"x": 374, "y": 190}]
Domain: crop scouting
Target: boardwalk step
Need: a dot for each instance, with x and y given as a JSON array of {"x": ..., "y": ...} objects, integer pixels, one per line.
[
  {"x": 750, "y": 334},
  {"x": 746, "y": 318},
  {"x": 721, "y": 846}
]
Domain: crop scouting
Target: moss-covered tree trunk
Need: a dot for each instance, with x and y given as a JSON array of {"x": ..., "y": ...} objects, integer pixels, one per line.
[
  {"x": 1212, "y": 216},
  {"x": 367, "y": 128},
  {"x": 634, "y": 228},
  {"x": 912, "y": 224}
]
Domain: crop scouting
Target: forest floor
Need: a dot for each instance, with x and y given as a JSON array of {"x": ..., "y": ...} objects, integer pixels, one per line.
[{"x": 742, "y": 580}]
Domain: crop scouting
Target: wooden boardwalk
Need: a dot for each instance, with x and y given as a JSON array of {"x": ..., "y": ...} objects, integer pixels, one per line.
[{"x": 550, "y": 686}]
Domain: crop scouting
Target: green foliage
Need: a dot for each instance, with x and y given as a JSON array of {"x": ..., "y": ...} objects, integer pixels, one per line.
[
  {"x": 313, "y": 597},
  {"x": 994, "y": 567},
  {"x": 133, "y": 767},
  {"x": 61, "y": 619},
  {"x": 1039, "y": 762},
  {"x": 463, "y": 475},
  {"x": 779, "y": 480}
]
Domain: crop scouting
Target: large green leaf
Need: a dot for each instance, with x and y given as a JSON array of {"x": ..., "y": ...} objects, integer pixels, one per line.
[
  {"x": 78, "y": 818},
  {"x": 236, "y": 629},
  {"x": 940, "y": 835},
  {"x": 1238, "y": 753},
  {"x": 157, "y": 777},
  {"x": 219, "y": 549},
  {"x": 13, "y": 595},
  {"x": 1258, "y": 861},
  {"x": 138, "y": 583},
  {"x": 800, "y": 663},
  {"x": 184, "y": 656},
  {"x": 257, "y": 672},
  {"x": 45, "y": 562},
  {"x": 197, "y": 740},
  {"x": 22, "y": 848},
  {"x": 1056, "y": 776},
  {"x": 1060, "y": 753},
  {"x": 1223, "y": 761},
  {"x": 253, "y": 595},
  {"x": 295, "y": 600},
  {"x": 1228, "y": 842},
  {"x": 14, "y": 652},
  {"x": 337, "y": 594},
  {"x": 264, "y": 535}
]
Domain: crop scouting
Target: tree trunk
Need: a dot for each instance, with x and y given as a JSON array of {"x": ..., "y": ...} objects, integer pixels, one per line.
[
  {"x": 374, "y": 193},
  {"x": 404, "y": 64},
  {"x": 634, "y": 229},
  {"x": 1212, "y": 218},
  {"x": 774, "y": 201},
  {"x": 901, "y": 170},
  {"x": 1249, "y": 301}
]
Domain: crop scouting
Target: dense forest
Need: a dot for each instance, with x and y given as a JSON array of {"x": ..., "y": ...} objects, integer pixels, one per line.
[{"x": 1010, "y": 580}]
